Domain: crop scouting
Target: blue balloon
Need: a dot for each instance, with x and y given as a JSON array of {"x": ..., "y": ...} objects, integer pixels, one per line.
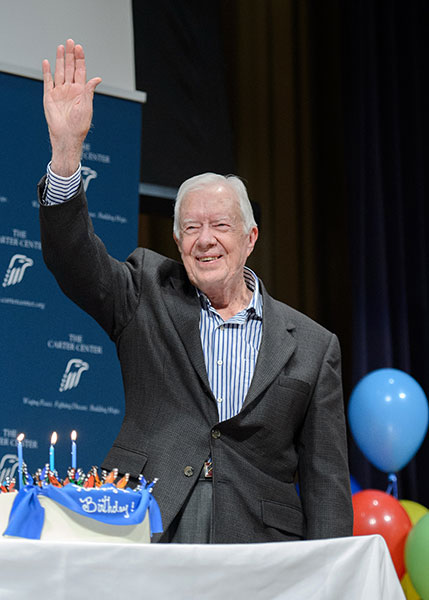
[{"x": 388, "y": 417}]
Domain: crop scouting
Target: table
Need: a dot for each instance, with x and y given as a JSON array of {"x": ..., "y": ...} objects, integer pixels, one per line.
[{"x": 342, "y": 568}]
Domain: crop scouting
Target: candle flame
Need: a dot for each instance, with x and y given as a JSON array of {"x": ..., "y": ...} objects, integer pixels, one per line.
[
  {"x": 73, "y": 435},
  {"x": 20, "y": 437},
  {"x": 54, "y": 438}
]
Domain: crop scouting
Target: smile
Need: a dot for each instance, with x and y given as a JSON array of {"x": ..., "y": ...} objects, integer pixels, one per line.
[{"x": 208, "y": 258}]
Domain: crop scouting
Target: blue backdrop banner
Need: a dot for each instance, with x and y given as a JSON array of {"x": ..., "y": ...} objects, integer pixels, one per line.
[{"x": 59, "y": 370}]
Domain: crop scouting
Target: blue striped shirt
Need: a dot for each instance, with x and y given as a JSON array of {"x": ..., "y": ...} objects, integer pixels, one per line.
[
  {"x": 231, "y": 348},
  {"x": 59, "y": 189}
]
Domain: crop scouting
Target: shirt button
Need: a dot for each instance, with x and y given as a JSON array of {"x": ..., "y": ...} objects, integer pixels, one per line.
[
  {"x": 188, "y": 471},
  {"x": 222, "y": 327},
  {"x": 215, "y": 434},
  {"x": 220, "y": 399},
  {"x": 220, "y": 362}
]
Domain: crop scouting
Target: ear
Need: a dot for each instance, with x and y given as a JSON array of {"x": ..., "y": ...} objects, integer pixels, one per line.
[
  {"x": 252, "y": 237},
  {"x": 176, "y": 239}
]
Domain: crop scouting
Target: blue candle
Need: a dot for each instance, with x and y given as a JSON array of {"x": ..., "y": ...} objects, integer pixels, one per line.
[
  {"x": 73, "y": 450},
  {"x": 20, "y": 460},
  {"x": 52, "y": 452}
]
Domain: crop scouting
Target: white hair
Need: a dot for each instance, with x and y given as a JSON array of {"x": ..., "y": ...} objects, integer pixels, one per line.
[{"x": 207, "y": 179}]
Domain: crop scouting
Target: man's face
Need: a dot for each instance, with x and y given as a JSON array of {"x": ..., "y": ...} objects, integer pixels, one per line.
[{"x": 213, "y": 244}]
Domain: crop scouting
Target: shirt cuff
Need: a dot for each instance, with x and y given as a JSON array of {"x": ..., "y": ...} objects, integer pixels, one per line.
[{"x": 59, "y": 189}]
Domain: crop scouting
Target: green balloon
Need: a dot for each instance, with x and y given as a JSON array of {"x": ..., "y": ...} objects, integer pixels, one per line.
[{"x": 417, "y": 556}]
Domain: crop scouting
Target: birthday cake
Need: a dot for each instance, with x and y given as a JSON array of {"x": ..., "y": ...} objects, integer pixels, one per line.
[{"x": 89, "y": 508}]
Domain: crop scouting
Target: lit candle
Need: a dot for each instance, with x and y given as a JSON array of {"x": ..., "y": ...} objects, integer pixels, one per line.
[
  {"x": 52, "y": 451},
  {"x": 19, "y": 445},
  {"x": 73, "y": 449}
]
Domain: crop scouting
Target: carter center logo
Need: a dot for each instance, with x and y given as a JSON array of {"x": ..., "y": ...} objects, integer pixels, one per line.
[
  {"x": 8, "y": 466},
  {"x": 87, "y": 175},
  {"x": 74, "y": 369},
  {"x": 16, "y": 269}
]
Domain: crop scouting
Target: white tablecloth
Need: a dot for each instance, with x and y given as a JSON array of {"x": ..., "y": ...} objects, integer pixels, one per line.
[{"x": 344, "y": 569}]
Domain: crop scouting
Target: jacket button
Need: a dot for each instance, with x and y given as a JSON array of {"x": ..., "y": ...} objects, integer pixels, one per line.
[
  {"x": 215, "y": 434},
  {"x": 188, "y": 471}
]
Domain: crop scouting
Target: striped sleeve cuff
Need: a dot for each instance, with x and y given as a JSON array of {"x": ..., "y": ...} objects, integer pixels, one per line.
[{"x": 60, "y": 189}]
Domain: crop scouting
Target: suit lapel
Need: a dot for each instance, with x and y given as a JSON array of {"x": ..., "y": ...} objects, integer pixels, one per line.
[
  {"x": 277, "y": 346},
  {"x": 183, "y": 306}
]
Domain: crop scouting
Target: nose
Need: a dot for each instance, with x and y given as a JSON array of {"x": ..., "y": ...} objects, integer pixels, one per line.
[{"x": 206, "y": 238}]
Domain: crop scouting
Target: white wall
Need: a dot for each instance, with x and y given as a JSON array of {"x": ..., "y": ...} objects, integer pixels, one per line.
[{"x": 30, "y": 30}]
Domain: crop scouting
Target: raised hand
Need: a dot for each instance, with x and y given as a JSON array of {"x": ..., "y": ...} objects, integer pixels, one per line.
[{"x": 67, "y": 100}]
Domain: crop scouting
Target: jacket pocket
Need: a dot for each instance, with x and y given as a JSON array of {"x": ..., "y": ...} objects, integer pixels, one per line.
[
  {"x": 285, "y": 517},
  {"x": 294, "y": 384},
  {"x": 125, "y": 460}
]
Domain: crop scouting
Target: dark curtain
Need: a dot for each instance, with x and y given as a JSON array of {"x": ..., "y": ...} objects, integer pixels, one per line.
[
  {"x": 385, "y": 71},
  {"x": 179, "y": 64},
  {"x": 186, "y": 128}
]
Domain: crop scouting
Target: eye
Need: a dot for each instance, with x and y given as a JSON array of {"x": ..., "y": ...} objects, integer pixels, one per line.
[
  {"x": 222, "y": 226},
  {"x": 190, "y": 229}
]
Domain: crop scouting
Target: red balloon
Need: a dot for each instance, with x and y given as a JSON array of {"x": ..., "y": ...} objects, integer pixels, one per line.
[{"x": 378, "y": 512}]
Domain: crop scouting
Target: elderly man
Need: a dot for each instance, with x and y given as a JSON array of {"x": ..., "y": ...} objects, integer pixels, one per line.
[{"x": 230, "y": 395}]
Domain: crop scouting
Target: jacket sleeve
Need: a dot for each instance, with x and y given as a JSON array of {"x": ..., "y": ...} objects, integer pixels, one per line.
[
  {"x": 102, "y": 286},
  {"x": 324, "y": 478}
]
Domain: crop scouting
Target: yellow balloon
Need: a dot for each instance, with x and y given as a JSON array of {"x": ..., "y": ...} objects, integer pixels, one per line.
[
  {"x": 407, "y": 586},
  {"x": 414, "y": 510}
]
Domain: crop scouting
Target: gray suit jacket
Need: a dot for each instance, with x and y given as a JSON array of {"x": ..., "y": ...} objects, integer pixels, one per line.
[{"x": 292, "y": 420}]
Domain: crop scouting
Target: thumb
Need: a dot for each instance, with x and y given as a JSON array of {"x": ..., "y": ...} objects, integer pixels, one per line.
[{"x": 92, "y": 84}]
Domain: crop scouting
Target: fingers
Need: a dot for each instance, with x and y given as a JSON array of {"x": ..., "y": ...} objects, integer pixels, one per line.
[
  {"x": 65, "y": 63},
  {"x": 59, "y": 66},
  {"x": 80, "y": 72},
  {"x": 70, "y": 62},
  {"x": 48, "y": 84},
  {"x": 70, "y": 67}
]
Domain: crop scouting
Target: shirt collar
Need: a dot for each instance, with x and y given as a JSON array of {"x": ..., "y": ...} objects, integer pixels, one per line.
[{"x": 252, "y": 284}]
